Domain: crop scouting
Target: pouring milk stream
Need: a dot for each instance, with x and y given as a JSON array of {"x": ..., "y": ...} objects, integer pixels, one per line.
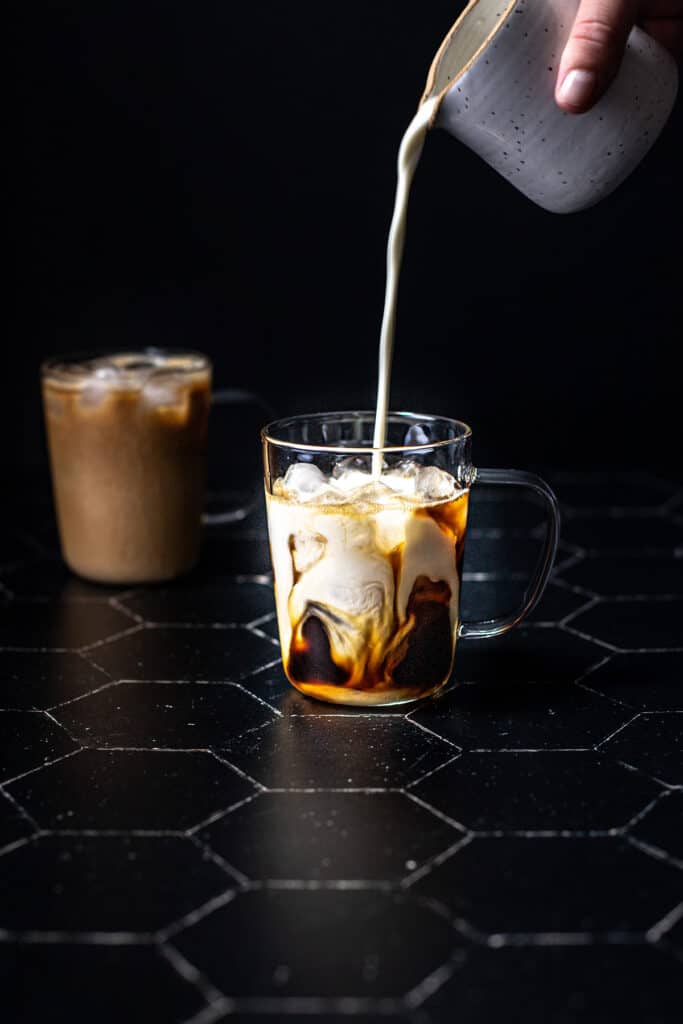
[{"x": 409, "y": 154}]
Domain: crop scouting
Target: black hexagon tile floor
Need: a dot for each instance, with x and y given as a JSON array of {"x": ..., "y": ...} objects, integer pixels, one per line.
[
  {"x": 662, "y": 827},
  {"x": 173, "y": 715},
  {"x": 141, "y": 984},
  {"x": 37, "y": 679},
  {"x": 185, "y": 838},
  {"x": 634, "y": 623},
  {"x": 14, "y": 823},
  {"x": 560, "y": 985},
  {"x": 539, "y": 791},
  {"x": 338, "y": 752},
  {"x": 292, "y": 930},
  {"x": 197, "y": 652},
  {"x": 59, "y": 624},
  {"x": 130, "y": 789},
  {"x": 641, "y": 681},
  {"x": 326, "y": 836},
  {"x": 597, "y": 534},
  {"x": 653, "y": 743},
  {"x": 75, "y": 884},
  {"x": 554, "y": 885},
  {"x": 29, "y": 739},
  {"x": 624, "y": 573},
  {"x": 216, "y": 602}
]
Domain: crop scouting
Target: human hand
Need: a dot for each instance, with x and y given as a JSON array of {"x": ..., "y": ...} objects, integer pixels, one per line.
[{"x": 596, "y": 45}]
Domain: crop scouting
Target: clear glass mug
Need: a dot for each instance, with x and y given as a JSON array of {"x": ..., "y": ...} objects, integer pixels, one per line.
[
  {"x": 368, "y": 568},
  {"x": 127, "y": 442}
]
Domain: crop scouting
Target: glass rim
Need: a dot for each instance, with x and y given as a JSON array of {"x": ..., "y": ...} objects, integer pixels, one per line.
[
  {"x": 52, "y": 365},
  {"x": 332, "y": 449}
]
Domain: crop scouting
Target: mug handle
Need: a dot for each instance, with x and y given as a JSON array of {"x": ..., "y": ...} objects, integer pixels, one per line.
[
  {"x": 536, "y": 586},
  {"x": 236, "y": 396}
]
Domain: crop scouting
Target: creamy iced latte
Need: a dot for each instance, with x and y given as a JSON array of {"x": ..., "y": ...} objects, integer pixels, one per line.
[
  {"x": 367, "y": 578},
  {"x": 127, "y": 438}
]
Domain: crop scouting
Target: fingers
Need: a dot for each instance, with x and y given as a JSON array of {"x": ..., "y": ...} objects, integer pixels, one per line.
[{"x": 593, "y": 52}]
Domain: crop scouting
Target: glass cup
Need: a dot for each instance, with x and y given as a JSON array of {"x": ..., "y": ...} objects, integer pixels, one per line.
[
  {"x": 367, "y": 552},
  {"x": 127, "y": 444}
]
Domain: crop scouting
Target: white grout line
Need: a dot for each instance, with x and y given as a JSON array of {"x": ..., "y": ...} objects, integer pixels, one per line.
[
  {"x": 191, "y": 974},
  {"x": 665, "y": 924},
  {"x": 87, "y": 938}
]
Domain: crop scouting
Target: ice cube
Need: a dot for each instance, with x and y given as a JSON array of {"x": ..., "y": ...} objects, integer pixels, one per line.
[
  {"x": 98, "y": 385},
  {"x": 105, "y": 373},
  {"x": 401, "y": 477},
  {"x": 434, "y": 483},
  {"x": 303, "y": 479},
  {"x": 164, "y": 389},
  {"x": 375, "y": 493},
  {"x": 358, "y": 463},
  {"x": 351, "y": 480},
  {"x": 352, "y": 472},
  {"x": 330, "y": 495},
  {"x": 406, "y": 468},
  {"x": 418, "y": 433},
  {"x": 307, "y": 549}
]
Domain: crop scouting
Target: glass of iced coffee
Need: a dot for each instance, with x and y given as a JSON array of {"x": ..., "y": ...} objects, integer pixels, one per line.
[
  {"x": 367, "y": 549},
  {"x": 127, "y": 441}
]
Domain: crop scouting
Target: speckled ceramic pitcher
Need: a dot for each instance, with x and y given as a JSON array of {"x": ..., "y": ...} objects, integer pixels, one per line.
[{"x": 495, "y": 74}]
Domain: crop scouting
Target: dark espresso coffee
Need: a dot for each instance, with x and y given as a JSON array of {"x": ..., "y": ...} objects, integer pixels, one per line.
[{"x": 127, "y": 441}]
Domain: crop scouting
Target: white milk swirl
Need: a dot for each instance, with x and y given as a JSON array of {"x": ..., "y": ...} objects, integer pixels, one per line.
[{"x": 408, "y": 158}]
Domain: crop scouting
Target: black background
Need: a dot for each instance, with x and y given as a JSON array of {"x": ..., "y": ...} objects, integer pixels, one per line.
[{"x": 221, "y": 176}]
